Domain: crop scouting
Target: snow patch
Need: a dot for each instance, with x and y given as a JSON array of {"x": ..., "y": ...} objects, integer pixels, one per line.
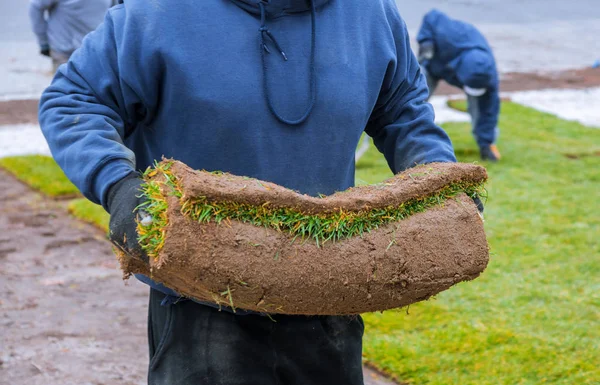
[
  {"x": 22, "y": 139},
  {"x": 577, "y": 105},
  {"x": 444, "y": 114}
]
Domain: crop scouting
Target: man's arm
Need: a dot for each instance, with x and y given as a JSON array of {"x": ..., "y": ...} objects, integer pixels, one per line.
[
  {"x": 402, "y": 123},
  {"x": 37, "y": 10},
  {"x": 90, "y": 106}
]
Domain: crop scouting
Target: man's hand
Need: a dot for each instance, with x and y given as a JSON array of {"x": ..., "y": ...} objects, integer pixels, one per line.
[
  {"x": 122, "y": 203},
  {"x": 45, "y": 50}
]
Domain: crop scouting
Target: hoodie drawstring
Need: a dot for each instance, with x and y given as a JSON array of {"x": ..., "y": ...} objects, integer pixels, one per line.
[
  {"x": 264, "y": 31},
  {"x": 264, "y": 34}
]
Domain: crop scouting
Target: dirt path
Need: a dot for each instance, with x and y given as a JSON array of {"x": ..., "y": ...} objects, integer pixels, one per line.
[
  {"x": 66, "y": 317},
  {"x": 19, "y": 111},
  {"x": 519, "y": 81}
]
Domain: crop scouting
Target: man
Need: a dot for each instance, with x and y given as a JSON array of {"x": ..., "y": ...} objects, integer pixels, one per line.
[
  {"x": 279, "y": 90},
  {"x": 67, "y": 22},
  {"x": 458, "y": 53}
]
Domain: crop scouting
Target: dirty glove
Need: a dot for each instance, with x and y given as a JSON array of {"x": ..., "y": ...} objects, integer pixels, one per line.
[
  {"x": 123, "y": 200},
  {"x": 45, "y": 50},
  {"x": 479, "y": 205}
]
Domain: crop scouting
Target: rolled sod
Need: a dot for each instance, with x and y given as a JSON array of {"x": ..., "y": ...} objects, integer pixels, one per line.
[{"x": 254, "y": 245}]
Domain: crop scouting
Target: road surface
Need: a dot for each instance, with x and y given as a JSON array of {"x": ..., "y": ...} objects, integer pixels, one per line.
[{"x": 527, "y": 36}]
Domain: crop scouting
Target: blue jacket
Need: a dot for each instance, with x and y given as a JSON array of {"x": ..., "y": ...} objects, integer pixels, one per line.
[
  {"x": 186, "y": 80},
  {"x": 463, "y": 57}
]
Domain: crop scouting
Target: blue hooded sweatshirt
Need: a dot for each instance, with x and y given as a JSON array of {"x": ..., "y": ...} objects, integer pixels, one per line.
[
  {"x": 208, "y": 83},
  {"x": 463, "y": 57}
]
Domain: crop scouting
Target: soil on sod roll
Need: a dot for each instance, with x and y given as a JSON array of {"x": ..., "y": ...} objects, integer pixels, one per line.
[{"x": 253, "y": 245}]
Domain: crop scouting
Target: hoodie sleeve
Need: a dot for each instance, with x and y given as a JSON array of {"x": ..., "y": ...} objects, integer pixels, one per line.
[
  {"x": 94, "y": 102},
  {"x": 402, "y": 122},
  {"x": 37, "y": 9}
]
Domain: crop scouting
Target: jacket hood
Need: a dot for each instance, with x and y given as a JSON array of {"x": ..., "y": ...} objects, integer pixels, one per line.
[
  {"x": 434, "y": 15},
  {"x": 275, "y": 8},
  {"x": 269, "y": 9},
  {"x": 476, "y": 69}
]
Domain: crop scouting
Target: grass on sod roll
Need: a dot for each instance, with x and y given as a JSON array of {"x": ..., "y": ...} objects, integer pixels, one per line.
[
  {"x": 41, "y": 173},
  {"x": 318, "y": 227},
  {"x": 533, "y": 316}
]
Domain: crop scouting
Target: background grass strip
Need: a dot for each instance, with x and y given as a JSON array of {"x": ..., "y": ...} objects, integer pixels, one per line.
[{"x": 41, "y": 173}]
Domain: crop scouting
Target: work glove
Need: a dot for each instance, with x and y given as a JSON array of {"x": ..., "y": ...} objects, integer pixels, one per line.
[
  {"x": 123, "y": 200},
  {"x": 45, "y": 50},
  {"x": 479, "y": 204},
  {"x": 426, "y": 51}
]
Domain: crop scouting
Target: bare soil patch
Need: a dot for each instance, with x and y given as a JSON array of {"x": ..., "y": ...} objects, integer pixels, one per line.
[
  {"x": 19, "y": 112},
  {"x": 66, "y": 317},
  {"x": 520, "y": 81}
]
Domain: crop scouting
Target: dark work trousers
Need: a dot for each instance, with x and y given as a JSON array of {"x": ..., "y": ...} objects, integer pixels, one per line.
[
  {"x": 483, "y": 135},
  {"x": 194, "y": 344}
]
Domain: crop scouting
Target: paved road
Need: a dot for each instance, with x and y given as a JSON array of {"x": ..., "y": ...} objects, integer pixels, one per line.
[
  {"x": 22, "y": 70},
  {"x": 526, "y": 35}
]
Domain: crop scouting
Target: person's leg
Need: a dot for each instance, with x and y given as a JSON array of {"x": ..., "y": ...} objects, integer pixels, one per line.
[
  {"x": 58, "y": 58},
  {"x": 432, "y": 82},
  {"x": 473, "y": 109},
  {"x": 196, "y": 345},
  {"x": 485, "y": 134},
  {"x": 193, "y": 344},
  {"x": 319, "y": 350}
]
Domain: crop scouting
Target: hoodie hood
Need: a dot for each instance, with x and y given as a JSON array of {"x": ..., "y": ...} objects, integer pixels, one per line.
[
  {"x": 269, "y": 9},
  {"x": 276, "y": 8},
  {"x": 475, "y": 69}
]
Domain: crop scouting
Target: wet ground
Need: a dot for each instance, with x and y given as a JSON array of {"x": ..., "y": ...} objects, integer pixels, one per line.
[
  {"x": 66, "y": 315},
  {"x": 18, "y": 111},
  {"x": 527, "y": 36},
  {"x": 519, "y": 81}
]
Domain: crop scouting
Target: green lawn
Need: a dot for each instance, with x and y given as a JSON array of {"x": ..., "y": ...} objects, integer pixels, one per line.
[
  {"x": 533, "y": 317},
  {"x": 41, "y": 173}
]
